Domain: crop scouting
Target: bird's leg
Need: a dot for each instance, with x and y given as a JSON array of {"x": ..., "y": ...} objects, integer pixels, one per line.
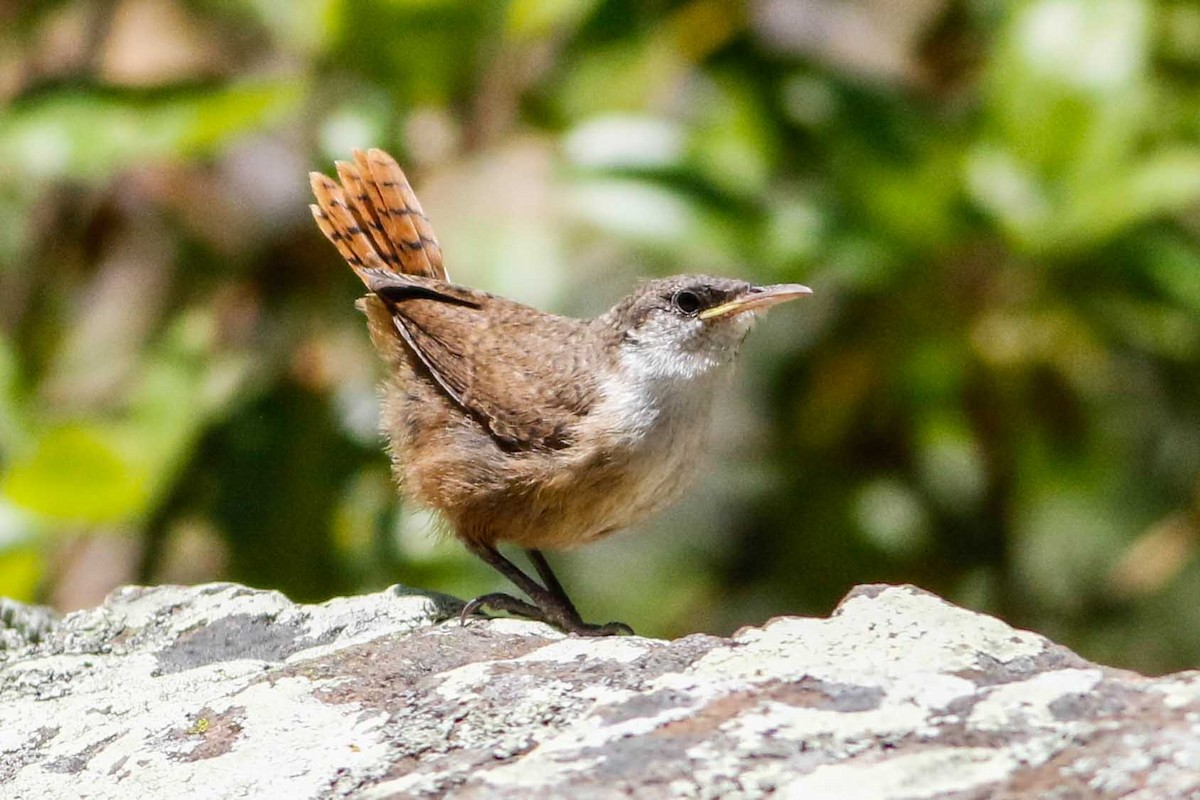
[
  {"x": 550, "y": 605},
  {"x": 555, "y": 588},
  {"x": 537, "y": 593},
  {"x": 548, "y": 577}
]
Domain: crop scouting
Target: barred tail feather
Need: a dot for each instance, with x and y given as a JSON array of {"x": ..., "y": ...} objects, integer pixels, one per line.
[
  {"x": 401, "y": 214},
  {"x": 374, "y": 219}
]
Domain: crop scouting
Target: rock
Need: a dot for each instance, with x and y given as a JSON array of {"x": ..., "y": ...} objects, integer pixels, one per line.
[
  {"x": 23, "y": 625},
  {"x": 222, "y": 691}
]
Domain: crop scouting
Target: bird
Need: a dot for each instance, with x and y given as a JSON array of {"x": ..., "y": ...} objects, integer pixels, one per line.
[{"x": 523, "y": 428}]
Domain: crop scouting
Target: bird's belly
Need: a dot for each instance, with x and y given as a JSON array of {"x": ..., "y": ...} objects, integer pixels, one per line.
[
  {"x": 634, "y": 454},
  {"x": 652, "y": 483},
  {"x": 613, "y": 490}
]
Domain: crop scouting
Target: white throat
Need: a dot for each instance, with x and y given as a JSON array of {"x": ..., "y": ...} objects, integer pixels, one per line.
[{"x": 662, "y": 396}]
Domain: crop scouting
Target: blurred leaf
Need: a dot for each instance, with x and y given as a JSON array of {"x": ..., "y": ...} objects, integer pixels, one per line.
[
  {"x": 658, "y": 218},
  {"x": 733, "y": 145},
  {"x": 892, "y": 516},
  {"x": 1165, "y": 183},
  {"x": 1084, "y": 215},
  {"x": 18, "y": 528},
  {"x": 13, "y": 434},
  {"x": 303, "y": 24},
  {"x": 15, "y": 234},
  {"x": 1006, "y": 188},
  {"x": 1174, "y": 265},
  {"x": 1162, "y": 330},
  {"x": 76, "y": 473},
  {"x": 21, "y": 571},
  {"x": 186, "y": 379},
  {"x": 624, "y": 141},
  {"x": 914, "y": 202},
  {"x": 638, "y": 72},
  {"x": 1181, "y": 31},
  {"x": 533, "y": 18},
  {"x": 22, "y": 555},
  {"x": 360, "y": 119},
  {"x": 1085, "y": 45},
  {"x": 90, "y": 135},
  {"x": 950, "y": 463},
  {"x": 794, "y": 231},
  {"x": 360, "y": 519},
  {"x": 423, "y": 52},
  {"x": 1066, "y": 85},
  {"x": 1069, "y": 533},
  {"x": 635, "y": 210},
  {"x": 619, "y": 78}
]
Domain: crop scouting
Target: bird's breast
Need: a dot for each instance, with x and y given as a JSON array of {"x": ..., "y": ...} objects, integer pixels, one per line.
[{"x": 653, "y": 433}]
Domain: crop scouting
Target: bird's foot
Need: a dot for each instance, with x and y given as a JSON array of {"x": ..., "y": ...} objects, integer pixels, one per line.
[
  {"x": 607, "y": 629},
  {"x": 565, "y": 619},
  {"x": 502, "y": 602}
]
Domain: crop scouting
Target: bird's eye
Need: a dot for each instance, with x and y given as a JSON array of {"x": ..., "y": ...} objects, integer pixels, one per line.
[{"x": 686, "y": 302}]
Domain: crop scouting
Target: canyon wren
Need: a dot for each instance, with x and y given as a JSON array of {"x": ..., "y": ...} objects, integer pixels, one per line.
[{"x": 521, "y": 427}]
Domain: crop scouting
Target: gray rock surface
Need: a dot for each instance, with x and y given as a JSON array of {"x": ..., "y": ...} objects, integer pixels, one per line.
[{"x": 221, "y": 691}]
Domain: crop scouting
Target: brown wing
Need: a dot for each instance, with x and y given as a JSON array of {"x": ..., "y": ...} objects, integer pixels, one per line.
[
  {"x": 519, "y": 372},
  {"x": 512, "y": 368}
]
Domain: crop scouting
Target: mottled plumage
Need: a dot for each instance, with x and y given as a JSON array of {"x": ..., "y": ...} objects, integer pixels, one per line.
[{"x": 524, "y": 427}]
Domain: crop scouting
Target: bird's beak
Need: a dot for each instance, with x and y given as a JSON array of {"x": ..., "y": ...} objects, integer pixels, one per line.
[{"x": 756, "y": 298}]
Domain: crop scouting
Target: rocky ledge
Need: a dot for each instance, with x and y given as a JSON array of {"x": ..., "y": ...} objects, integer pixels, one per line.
[{"x": 223, "y": 691}]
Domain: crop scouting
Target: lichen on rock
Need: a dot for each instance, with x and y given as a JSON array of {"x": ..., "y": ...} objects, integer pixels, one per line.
[{"x": 898, "y": 694}]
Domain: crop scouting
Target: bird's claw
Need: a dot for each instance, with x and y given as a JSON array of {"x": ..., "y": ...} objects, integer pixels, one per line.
[{"x": 564, "y": 620}]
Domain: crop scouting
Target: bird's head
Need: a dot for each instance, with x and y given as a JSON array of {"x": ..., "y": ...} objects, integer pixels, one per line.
[{"x": 686, "y": 325}]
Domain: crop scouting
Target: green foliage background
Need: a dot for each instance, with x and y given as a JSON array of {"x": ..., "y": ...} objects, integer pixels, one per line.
[{"x": 994, "y": 393}]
